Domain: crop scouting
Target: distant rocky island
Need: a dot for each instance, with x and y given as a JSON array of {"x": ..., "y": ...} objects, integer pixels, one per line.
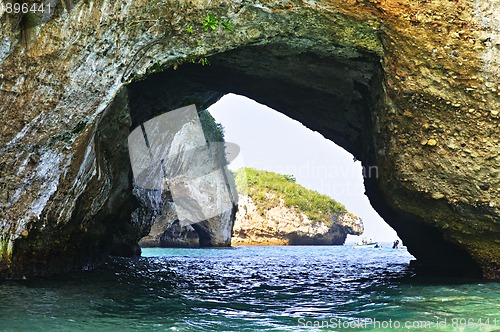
[{"x": 274, "y": 210}]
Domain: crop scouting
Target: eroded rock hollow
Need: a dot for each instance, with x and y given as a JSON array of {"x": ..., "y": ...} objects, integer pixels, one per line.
[{"x": 409, "y": 87}]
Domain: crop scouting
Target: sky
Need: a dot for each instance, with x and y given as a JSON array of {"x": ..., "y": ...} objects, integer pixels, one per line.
[{"x": 272, "y": 141}]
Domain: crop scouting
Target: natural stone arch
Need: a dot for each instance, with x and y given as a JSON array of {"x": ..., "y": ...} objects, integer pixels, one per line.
[
  {"x": 61, "y": 104},
  {"x": 338, "y": 96}
]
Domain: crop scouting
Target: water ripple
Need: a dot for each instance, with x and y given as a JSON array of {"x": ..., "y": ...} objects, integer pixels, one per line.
[{"x": 243, "y": 289}]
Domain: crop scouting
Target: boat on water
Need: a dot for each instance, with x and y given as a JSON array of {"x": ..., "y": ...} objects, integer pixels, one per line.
[
  {"x": 366, "y": 245},
  {"x": 398, "y": 245}
]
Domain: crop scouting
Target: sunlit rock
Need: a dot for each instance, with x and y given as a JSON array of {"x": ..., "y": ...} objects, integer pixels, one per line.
[{"x": 282, "y": 225}]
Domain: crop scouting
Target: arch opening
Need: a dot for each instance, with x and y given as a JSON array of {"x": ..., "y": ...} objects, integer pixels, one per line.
[
  {"x": 272, "y": 142},
  {"x": 340, "y": 98},
  {"x": 314, "y": 82}
]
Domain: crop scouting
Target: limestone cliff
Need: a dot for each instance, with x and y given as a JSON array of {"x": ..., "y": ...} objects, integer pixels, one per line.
[
  {"x": 282, "y": 225},
  {"x": 171, "y": 214},
  {"x": 411, "y": 87},
  {"x": 274, "y": 209}
]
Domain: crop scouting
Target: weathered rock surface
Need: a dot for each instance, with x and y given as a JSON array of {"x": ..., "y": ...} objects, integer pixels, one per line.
[
  {"x": 162, "y": 213},
  {"x": 409, "y": 87},
  {"x": 166, "y": 231},
  {"x": 282, "y": 225},
  {"x": 195, "y": 199}
]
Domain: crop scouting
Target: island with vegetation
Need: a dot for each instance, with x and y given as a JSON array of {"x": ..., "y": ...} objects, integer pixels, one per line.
[{"x": 274, "y": 210}]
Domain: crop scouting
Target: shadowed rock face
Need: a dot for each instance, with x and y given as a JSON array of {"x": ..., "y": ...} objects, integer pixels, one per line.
[{"x": 411, "y": 88}]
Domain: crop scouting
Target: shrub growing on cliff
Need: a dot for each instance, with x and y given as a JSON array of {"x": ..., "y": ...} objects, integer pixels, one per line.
[
  {"x": 267, "y": 188},
  {"x": 210, "y": 23},
  {"x": 214, "y": 132}
]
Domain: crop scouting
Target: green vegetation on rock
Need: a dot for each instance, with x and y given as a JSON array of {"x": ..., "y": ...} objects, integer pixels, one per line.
[
  {"x": 267, "y": 188},
  {"x": 214, "y": 132}
]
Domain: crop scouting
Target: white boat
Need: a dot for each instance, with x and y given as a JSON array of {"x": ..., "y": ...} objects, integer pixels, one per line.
[{"x": 369, "y": 245}]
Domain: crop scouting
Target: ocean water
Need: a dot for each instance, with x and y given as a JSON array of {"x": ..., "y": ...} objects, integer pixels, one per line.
[{"x": 313, "y": 288}]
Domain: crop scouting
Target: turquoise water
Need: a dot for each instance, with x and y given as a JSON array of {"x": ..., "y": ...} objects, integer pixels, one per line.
[{"x": 252, "y": 289}]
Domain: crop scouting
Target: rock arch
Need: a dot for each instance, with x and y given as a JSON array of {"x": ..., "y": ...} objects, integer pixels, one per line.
[{"x": 360, "y": 77}]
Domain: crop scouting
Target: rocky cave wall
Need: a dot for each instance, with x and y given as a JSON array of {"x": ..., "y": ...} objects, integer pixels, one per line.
[{"x": 411, "y": 87}]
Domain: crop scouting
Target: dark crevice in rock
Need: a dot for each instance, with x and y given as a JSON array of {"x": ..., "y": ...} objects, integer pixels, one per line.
[
  {"x": 203, "y": 234},
  {"x": 176, "y": 235}
]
